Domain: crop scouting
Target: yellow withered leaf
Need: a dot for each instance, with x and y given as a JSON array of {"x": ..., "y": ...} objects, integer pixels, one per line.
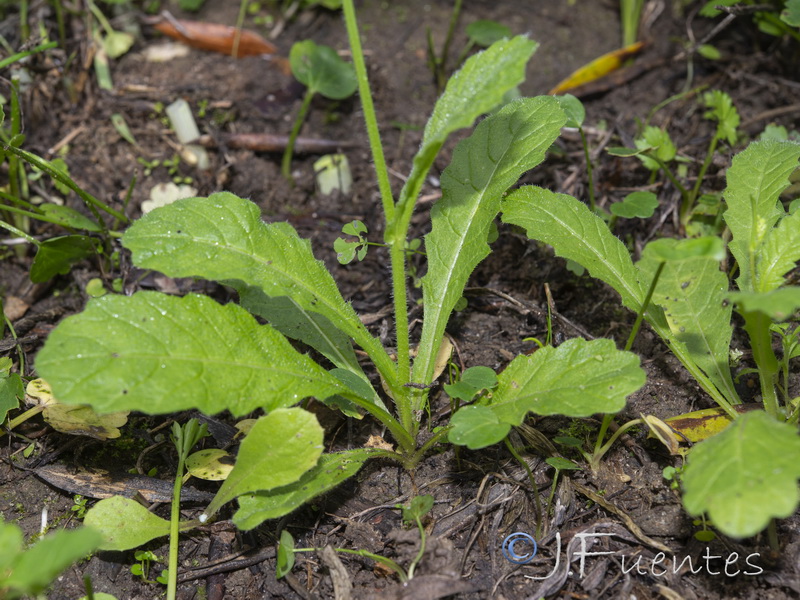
[
  {"x": 598, "y": 68},
  {"x": 38, "y": 393},
  {"x": 702, "y": 424},
  {"x": 212, "y": 464},
  {"x": 82, "y": 420},
  {"x": 73, "y": 419}
]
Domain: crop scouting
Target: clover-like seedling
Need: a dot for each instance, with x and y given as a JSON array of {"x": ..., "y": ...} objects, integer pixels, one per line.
[
  {"x": 321, "y": 70},
  {"x": 347, "y": 251}
]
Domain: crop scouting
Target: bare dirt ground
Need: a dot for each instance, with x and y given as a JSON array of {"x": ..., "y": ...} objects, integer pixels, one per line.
[{"x": 481, "y": 497}]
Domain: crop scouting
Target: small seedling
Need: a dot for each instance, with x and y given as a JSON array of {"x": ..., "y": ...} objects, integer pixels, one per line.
[
  {"x": 656, "y": 151},
  {"x": 321, "y": 70},
  {"x": 481, "y": 33},
  {"x": 79, "y": 506},
  {"x": 559, "y": 464},
  {"x": 347, "y": 251},
  {"x": 412, "y": 515},
  {"x": 142, "y": 568}
]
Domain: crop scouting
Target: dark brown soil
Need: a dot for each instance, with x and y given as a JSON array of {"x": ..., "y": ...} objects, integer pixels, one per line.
[{"x": 481, "y": 497}]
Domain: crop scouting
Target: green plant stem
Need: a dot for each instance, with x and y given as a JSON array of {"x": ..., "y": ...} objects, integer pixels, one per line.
[
  {"x": 31, "y": 214},
  {"x": 757, "y": 326},
  {"x": 398, "y": 258},
  {"x": 601, "y": 451},
  {"x": 104, "y": 23},
  {"x": 688, "y": 201},
  {"x": 773, "y": 19},
  {"x": 537, "y": 504},
  {"x": 588, "y": 167},
  {"x": 13, "y": 161},
  {"x": 630, "y": 12},
  {"x": 376, "y": 557},
  {"x": 401, "y": 435},
  {"x": 28, "y": 414},
  {"x": 645, "y": 305},
  {"x": 552, "y": 492},
  {"x": 463, "y": 55},
  {"x": 671, "y": 176},
  {"x": 91, "y": 202},
  {"x": 286, "y": 163},
  {"x": 371, "y": 121},
  {"x": 13, "y": 332},
  {"x": 607, "y": 419},
  {"x": 683, "y": 355},
  {"x": 396, "y": 243},
  {"x": 19, "y": 232},
  {"x": 772, "y": 536},
  {"x": 239, "y": 23},
  {"x": 448, "y": 41},
  {"x": 25, "y": 31},
  {"x": 174, "y": 526},
  {"x": 419, "y": 555},
  {"x": 671, "y": 99},
  {"x": 421, "y": 452},
  {"x": 20, "y": 55}
]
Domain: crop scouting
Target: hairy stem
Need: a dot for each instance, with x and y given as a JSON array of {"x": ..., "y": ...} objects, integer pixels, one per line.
[{"x": 369, "y": 112}]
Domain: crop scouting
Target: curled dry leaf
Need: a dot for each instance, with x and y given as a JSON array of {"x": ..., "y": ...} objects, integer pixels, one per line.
[{"x": 216, "y": 37}]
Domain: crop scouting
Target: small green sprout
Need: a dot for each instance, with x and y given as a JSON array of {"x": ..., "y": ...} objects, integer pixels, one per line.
[
  {"x": 141, "y": 569},
  {"x": 321, "y": 70},
  {"x": 79, "y": 506},
  {"x": 347, "y": 251}
]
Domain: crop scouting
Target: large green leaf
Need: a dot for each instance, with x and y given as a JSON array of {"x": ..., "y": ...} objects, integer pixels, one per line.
[
  {"x": 157, "y": 353},
  {"x": 693, "y": 293},
  {"x": 279, "y": 448},
  {"x": 124, "y": 523},
  {"x": 755, "y": 180},
  {"x": 475, "y": 89},
  {"x": 331, "y": 470},
  {"x": 579, "y": 378},
  {"x": 576, "y": 234},
  {"x": 779, "y": 253},
  {"x": 744, "y": 476},
  {"x": 223, "y": 238},
  {"x": 484, "y": 166}
]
